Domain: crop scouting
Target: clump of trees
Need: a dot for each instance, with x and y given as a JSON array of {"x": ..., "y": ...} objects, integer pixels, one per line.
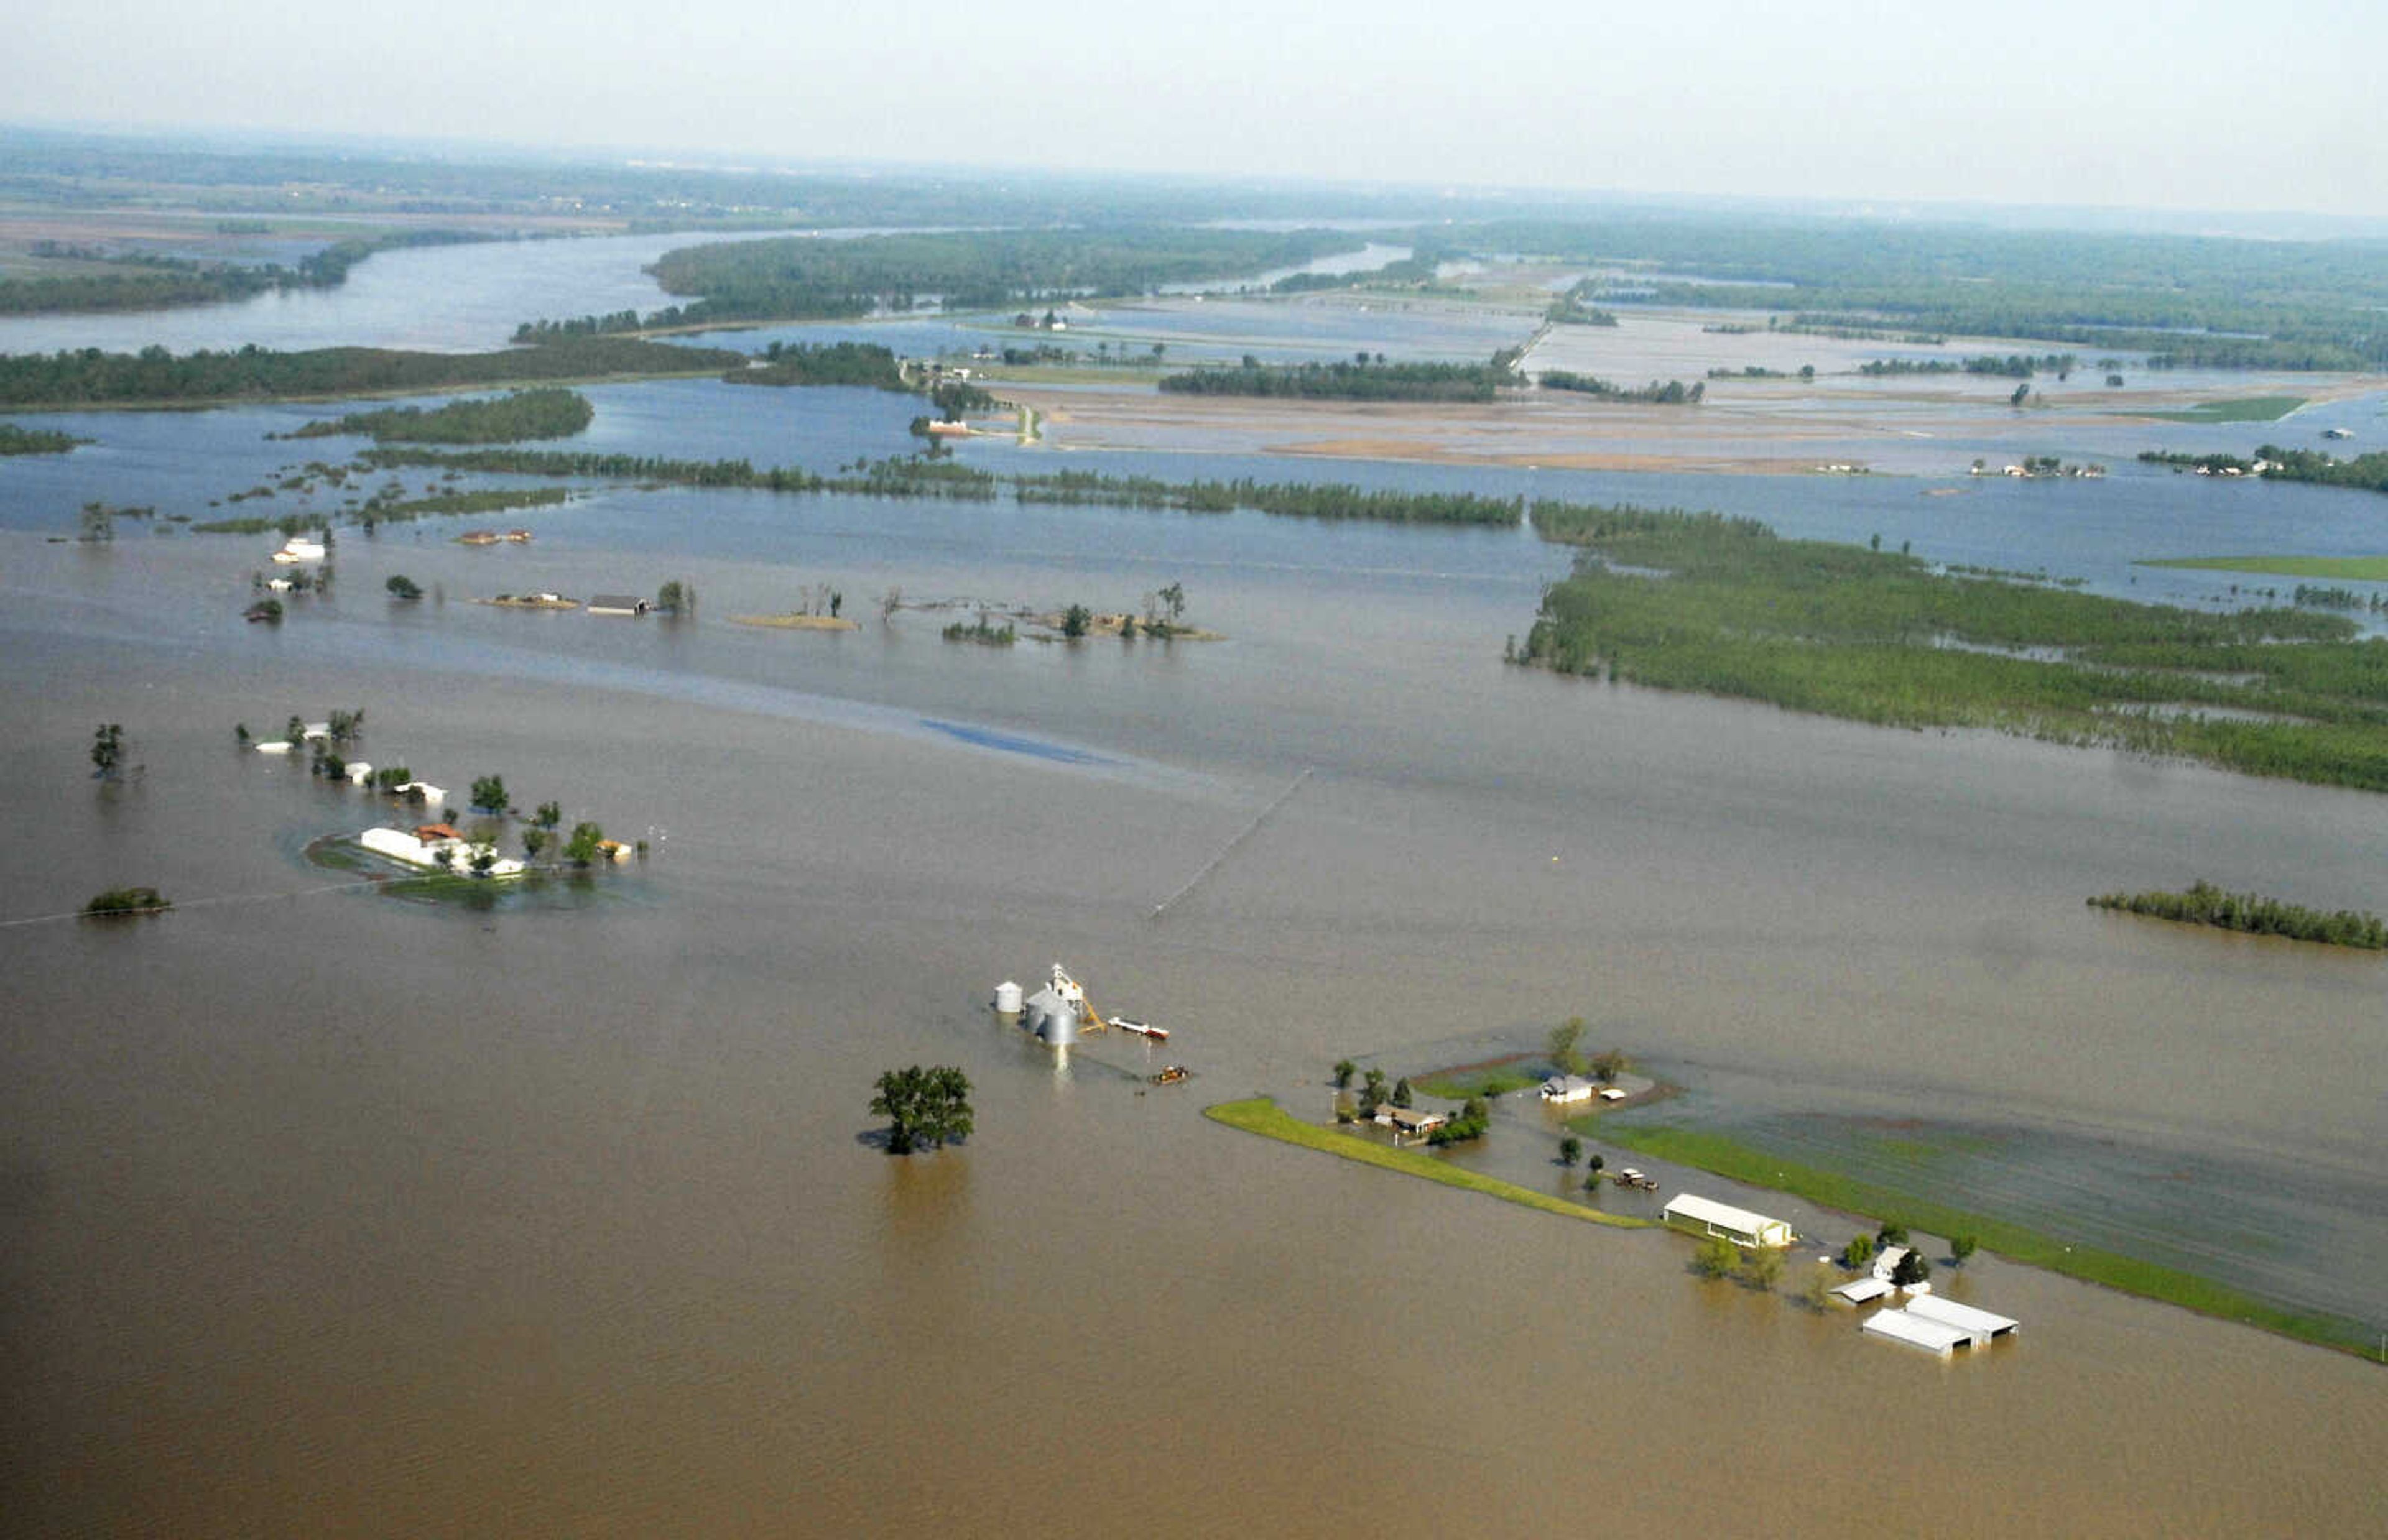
[
  {"x": 402, "y": 587},
  {"x": 127, "y": 900},
  {"x": 549, "y": 412},
  {"x": 923, "y": 1106},
  {"x": 107, "y": 750},
  {"x": 1475, "y": 1117}
]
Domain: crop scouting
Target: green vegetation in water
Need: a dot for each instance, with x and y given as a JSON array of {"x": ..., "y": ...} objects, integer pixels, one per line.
[
  {"x": 1345, "y": 382},
  {"x": 984, "y": 633},
  {"x": 382, "y": 510},
  {"x": 155, "y": 377},
  {"x": 127, "y": 900},
  {"x": 1701, "y": 603},
  {"x": 2364, "y": 473},
  {"x": 2015, "y": 366},
  {"x": 14, "y": 440},
  {"x": 2205, "y": 904},
  {"x": 2373, "y": 569},
  {"x": 553, "y": 412},
  {"x": 1485, "y": 1081},
  {"x": 1744, "y": 1163},
  {"x": 918, "y": 477},
  {"x": 1263, "y": 1117},
  {"x": 827, "y": 363},
  {"x": 2244, "y": 408}
]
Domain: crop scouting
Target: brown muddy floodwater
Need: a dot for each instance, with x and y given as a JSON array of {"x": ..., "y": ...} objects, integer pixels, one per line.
[{"x": 335, "y": 1213}]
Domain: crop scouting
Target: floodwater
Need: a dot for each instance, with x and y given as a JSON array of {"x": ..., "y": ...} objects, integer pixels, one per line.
[{"x": 322, "y": 1212}]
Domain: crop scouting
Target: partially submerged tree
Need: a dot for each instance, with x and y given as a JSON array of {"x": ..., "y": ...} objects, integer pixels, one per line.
[
  {"x": 1717, "y": 1257},
  {"x": 107, "y": 750},
  {"x": 1962, "y": 1248},
  {"x": 1912, "y": 1269},
  {"x": 923, "y": 1106},
  {"x": 1561, "y": 1046},
  {"x": 1570, "y": 1150},
  {"x": 586, "y": 844},
  {"x": 489, "y": 793},
  {"x": 1344, "y": 1070}
]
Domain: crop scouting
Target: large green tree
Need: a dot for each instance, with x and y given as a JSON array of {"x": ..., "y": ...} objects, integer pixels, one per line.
[{"x": 923, "y": 1106}]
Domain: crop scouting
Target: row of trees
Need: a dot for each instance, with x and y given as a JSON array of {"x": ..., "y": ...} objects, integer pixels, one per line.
[
  {"x": 91, "y": 376},
  {"x": 550, "y": 413},
  {"x": 1345, "y": 382},
  {"x": 2206, "y": 904},
  {"x": 1673, "y": 393}
]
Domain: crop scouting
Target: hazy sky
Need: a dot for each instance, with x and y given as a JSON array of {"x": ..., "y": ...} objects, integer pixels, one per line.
[{"x": 2190, "y": 103}]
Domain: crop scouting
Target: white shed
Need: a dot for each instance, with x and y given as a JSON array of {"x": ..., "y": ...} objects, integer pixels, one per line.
[
  {"x": 1906, "y": 1326},
  {"x": 1737, "y": 1224},
  {"x": 1979, "y": 1326},
  {"x": 1563, "y": 1088}
]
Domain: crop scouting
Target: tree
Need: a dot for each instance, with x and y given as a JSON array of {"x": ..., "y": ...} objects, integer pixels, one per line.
[
  {"x": 549, "y": 814},
  {"x": 1075, "y": 620},
  {"x": 1344, "y": 1070},
  {"x": 584, "y": 845},
  {"x": 1402, "y": 1091},
  {"x": 1892, "y": 1233},
  {"x": 294, "y": 732},
  {"x": 1912, "y": 1269},
  {"x": 1962, "y": 1248},
  {"x": 107, "y": 748},
  {"x": 1570, "y": 1150},
  {"x": 1372, "y": 1092},
  {"x": 489, "y": 793},
  {"x": 1763, "y": 1268},
  {"x": 2022, "y": 394},
  {"x": 923, "y": 1106},
  {"x": 1858, "y": 1252},
  {"x": 535, "y": 840},
  {"x": 403, "y": 586},
  {"x": 1609, "y": 1063},
  {"x": 1175, "y": 597},
  {"x": 1717, "y": 1257},
  {"x": 1565, "y": 1057}
]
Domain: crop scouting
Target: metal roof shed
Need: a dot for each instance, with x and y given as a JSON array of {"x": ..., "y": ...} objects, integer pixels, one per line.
[
  {"x": 1737, "y": 1224},
  {"x": 1979, "y": 1326},
  {"x": 1904, "y": 1326},
  {"x": 1863, "y": 1290}
]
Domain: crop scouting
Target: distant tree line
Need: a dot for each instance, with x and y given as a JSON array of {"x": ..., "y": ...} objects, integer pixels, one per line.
[
  {"x": 2205, "y": 903},
  {"x": 142, "y": 282},
  {"x": 827, "y": 363},
  {"x": 90, "y": 377},
  {"x": 1344, "y": 382},
  {"x": 1672, "y": 393},
  {"x": 2015, "y": 366}
]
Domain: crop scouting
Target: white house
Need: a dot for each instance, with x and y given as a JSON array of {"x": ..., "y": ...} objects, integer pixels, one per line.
[{"x": 1564, "y": 1089}]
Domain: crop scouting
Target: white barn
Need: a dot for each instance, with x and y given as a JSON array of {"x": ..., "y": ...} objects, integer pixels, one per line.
[{"x": 1737, "y": 1224}]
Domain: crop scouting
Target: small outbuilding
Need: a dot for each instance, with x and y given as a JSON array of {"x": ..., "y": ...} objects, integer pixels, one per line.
[
  {"x": 1906, "y": 1326},
  {"x": 617, "y": 604},
  {"x": 1979, "y": 1326},
  {"x": 1737, "y": 1224},
  {"x": 1562, "y": 1090},
  {"x": 1862, "y": 1290},
  {"x": 1410, "y": 1121}
]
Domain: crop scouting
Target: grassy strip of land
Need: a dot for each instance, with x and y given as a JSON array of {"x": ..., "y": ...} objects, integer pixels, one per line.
[
  {"x": 2205, "y": 904},
  {"x": 1697, "y": 602},
  {"x": 553, "y": 412},
  {"x": 2244, "y": 408},
  {"x": 2367, "y": 568},
  {"x": 1261, "y": 1116},
  {"x": 1738, "y": 1162},
  {"x": 14, "y": 440}
]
